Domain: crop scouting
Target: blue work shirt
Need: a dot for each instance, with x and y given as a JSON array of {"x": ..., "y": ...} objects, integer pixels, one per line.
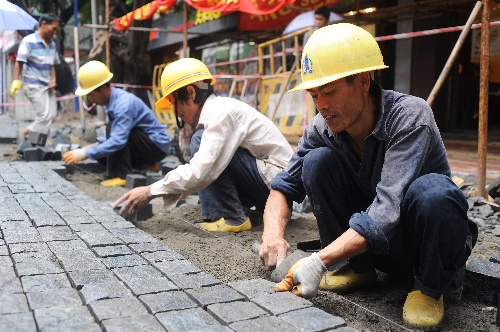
[
  {"x": 38, "y": 58},
  {"x": 128, "y": 111},
  {"x": 404, "y": 145}
]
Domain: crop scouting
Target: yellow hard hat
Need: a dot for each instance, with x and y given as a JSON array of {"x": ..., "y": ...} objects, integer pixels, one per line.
[
  {"x": 336, "y": 51},
  {"x": 92, "y": 75},
  {"x": 180, "y": 73}
]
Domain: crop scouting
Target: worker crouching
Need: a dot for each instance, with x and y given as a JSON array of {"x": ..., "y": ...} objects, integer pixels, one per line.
[
  {"x": 375, "y": 168},
  {"x": 235, "y": 152}
]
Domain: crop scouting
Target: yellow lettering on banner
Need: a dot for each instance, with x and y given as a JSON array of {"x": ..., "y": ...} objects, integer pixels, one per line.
[
  {"x": 229, "y": 1},
  {"x": 203, "y": 17},
  {"x": 264, "y": 18}
]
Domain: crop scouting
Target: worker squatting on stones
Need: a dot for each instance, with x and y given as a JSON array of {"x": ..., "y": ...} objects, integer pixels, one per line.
[
  {"x": 134, "y": 136},
  {"x": 236, "y": 151},
  {"x": 375, "y": 168}
]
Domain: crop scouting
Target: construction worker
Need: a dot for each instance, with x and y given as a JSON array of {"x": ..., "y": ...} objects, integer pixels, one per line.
[
  {"x": 135, "y": 139},
  {"x": 235, "y": 152},
  {"x": 375, "y": 168},
  {"x": 34, "y": 68},
  {"x": 321, "y": 18}
]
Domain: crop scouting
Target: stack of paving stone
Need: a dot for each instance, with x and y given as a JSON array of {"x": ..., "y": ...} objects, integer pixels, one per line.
[{"x": 69, "y": 263}]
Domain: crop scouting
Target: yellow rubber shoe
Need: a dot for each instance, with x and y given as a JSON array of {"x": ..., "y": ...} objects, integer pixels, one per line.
[
  {"x": 114, "y": 182},
  {"x": 344, "y": 280},
  {"x": 422, "y": 311},
  {"x": 221, "y": 226}
]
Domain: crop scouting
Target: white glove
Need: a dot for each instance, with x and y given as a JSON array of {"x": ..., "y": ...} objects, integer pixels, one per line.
[
  {"x": 79, "y": 153},
  {"x": 308, "y": 273}
]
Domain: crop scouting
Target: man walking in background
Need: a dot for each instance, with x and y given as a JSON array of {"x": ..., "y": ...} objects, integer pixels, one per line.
[{"x": 34, "y": 71}]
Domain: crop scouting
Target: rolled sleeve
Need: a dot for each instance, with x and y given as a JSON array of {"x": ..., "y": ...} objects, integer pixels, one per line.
[{"x": 364, "y": 225}]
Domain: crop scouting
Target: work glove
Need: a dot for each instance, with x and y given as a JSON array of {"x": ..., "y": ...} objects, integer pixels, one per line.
[
  {"x": 74, "y": 156},
  {"x": 14, "y": 88},
  {"x": 303, "y": 277}
]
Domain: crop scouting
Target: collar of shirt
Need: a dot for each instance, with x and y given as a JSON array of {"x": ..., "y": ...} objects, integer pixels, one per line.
[{"x": 204, "y": 115}]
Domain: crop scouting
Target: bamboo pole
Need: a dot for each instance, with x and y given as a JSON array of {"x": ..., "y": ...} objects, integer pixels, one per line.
[
  {"x": 454, "y": 53},
  {"x": 484, "y": 76},
  {"x": 184, "y": 34},
  {"x": 106, "y": 14}
]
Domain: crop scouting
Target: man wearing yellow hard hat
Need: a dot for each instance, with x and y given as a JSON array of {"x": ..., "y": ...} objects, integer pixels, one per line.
[
  {"x": 134, "y": 136},
  {"x": 236, "y": 151},
  {"x": 375, "y": 168}
]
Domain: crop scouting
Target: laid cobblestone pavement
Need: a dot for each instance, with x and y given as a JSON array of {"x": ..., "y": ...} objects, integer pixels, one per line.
[{"x": 70, "y": 263}]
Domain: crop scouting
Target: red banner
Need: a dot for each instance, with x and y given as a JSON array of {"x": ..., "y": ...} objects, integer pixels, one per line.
[
  {"x": 281, "y": 17},
  {"x": 260, "y": 7},
  {"x": 143, "y": 13}
]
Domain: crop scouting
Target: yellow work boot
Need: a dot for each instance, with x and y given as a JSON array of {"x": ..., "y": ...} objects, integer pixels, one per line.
[
  {"x": 221, "y": 226},
  {"x": 344, "y": 280},
  {"x": 114, "y": 182},
  {"x": 149, "y": 168},
  {"x": 422, "y": 311}
]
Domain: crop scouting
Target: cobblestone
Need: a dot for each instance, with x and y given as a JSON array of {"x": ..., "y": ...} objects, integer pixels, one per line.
[{"x": 69, "y": 263}]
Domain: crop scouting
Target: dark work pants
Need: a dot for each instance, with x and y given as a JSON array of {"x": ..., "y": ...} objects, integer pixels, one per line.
[
  {"x": 432, "y": 241},
  {"x": 138, "y": 151},
  {"x": 239, "y": 185}
]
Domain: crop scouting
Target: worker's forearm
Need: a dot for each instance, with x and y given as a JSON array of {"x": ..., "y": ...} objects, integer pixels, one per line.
[
  {"x": 17, "y": 70},
  {"x": 277, "y": 214},
  {"x": 349, "y": 244}
]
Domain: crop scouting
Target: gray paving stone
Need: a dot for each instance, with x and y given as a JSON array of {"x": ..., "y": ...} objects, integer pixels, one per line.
[
  {"x": 94, "y": 227},
  {"x": 280, "y": 303},
  {"x": 267, "y": 324},
  {"x": 111, "y": 251},
  {"x": 30, "y": 255},
  {"x": 27, "y": 247},
  {"x": 105, "y": 290},
  {"x": 117, "y": 224},
  {"x": 62, "y": 317},
  {"x": 7, "y": 272},
  {"x": 120, "y": 307},
  {"x": 214, "y": 294},
  {"x": 56, "y": 233},
  {"x": 37, "y": 266},
  {"x": 187, "y": 281},
  {"x": 6, "y": 261},
  {"x": 59, "y": 246},
  {"x": 41, "y": 221},
  {"x": 149, "y": 247},
  {"x": 86, "y": 277},
  {"x": 21, "y": 322},
  {"x": 132, "y": 235},
  {"x": 312, "y": 319},
  {"x": 346, "y": 329},
  {"x": 171, "y": 268},
  {"x": 139, "y": 272},
  {"x": 254, "y": 287},
  {"x": 141, "y": 286},
  {"x": 63, "y": 297},
  {"x": 195, "y": 319},
  {"x": 100, "y": 239},
  {"x": 82, "y": 327},
  {"x": 236, "y": 311},
  {"x": 162, "y": 256},
  {"x": 68, "y": 255},
  {"x": 167, "y": 301},
  {"x": 72, "y": 220},
  {"x": 133, "y": 324},
  {"x": 83, "y": 263},
  {"x": 4, "y": 250},
  {"x": 20, "y": 188},
  {"x": 13, "y": 303},
  {"x": 44, "y": 283},
  {"x": 124, "y": 261},
  {"x": 10, "y": 285},
  {"x": 21, "y": 235}
]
